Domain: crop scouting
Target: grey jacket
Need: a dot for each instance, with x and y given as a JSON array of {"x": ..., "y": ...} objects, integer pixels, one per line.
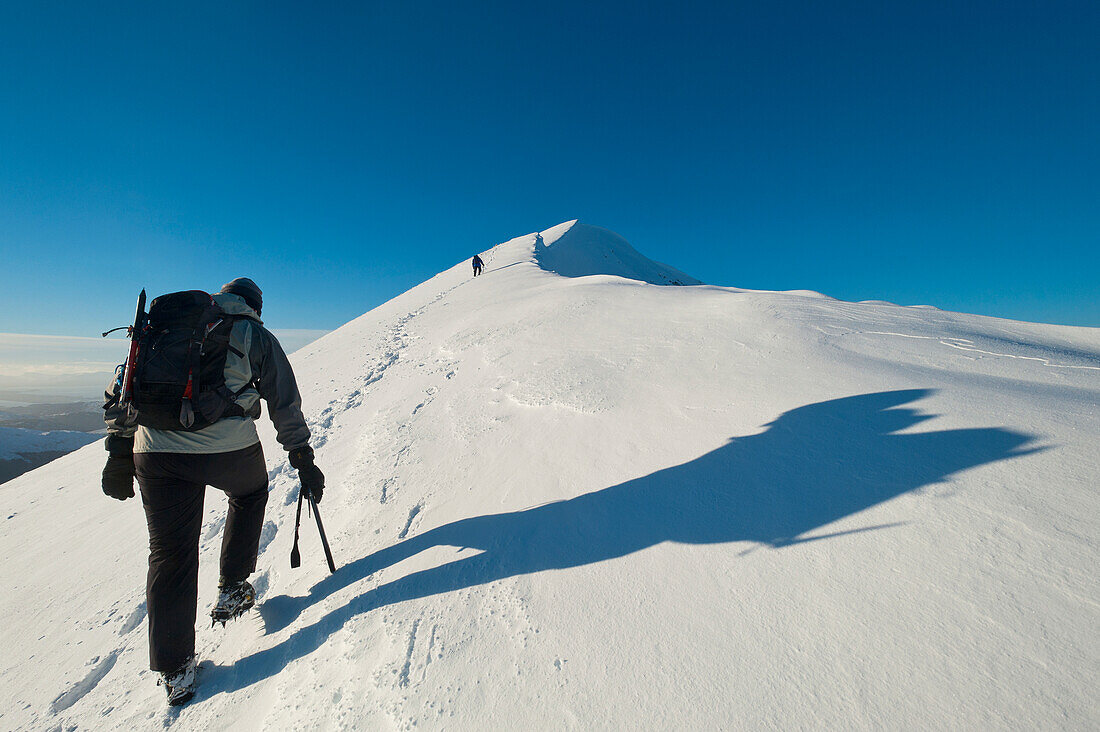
[{"x": 264, "y": 361}]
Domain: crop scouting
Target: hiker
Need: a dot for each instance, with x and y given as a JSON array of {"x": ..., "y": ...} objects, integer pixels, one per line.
[
  {"x": 174, "y": 466},
  {"x": 478, "y": 264}
]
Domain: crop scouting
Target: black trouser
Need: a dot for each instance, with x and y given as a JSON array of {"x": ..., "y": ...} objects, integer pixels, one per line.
[
  {"x": 172, "y": 488},
  {"x": 477, "y": 270}
]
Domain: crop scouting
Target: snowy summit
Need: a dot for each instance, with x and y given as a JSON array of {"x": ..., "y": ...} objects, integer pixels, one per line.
[{"x": 584, "y": 490}]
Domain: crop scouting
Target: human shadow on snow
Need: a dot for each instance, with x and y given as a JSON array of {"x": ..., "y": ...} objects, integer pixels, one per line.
[{"x": 811, "y": 467}]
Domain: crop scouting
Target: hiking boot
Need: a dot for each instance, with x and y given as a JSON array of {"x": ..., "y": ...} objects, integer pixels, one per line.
[
  {"x": 234, "y": 600},
  {"x": 180, "y": 684}
]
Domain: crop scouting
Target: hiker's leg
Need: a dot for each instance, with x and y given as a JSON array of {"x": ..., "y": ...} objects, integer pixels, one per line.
[
  {"x": 173, "y": 511},
  {"x": 242, "y": 474}
]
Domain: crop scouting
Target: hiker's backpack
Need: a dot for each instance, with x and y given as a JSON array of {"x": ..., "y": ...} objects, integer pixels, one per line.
[{"x": 179, "y": 370}]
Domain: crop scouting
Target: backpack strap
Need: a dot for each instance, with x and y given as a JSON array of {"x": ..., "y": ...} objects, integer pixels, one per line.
[
  {"x": 207, "y": 324},
  {"x": 233, "y": 409}
]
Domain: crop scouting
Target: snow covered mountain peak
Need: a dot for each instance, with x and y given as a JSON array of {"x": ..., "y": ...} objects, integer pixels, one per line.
[
  {"x": 573, "y": 249},
  {"x": 565, "y": 499}
]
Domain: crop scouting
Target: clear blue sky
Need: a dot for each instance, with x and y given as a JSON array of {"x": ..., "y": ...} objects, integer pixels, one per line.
[{"x": 927, "y": 152}]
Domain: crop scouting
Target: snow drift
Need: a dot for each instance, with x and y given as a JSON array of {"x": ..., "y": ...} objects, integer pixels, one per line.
[{"x": 564, "y": 497}]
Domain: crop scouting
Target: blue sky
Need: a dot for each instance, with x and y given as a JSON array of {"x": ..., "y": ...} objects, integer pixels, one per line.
[{"x": 933, "y": 152}]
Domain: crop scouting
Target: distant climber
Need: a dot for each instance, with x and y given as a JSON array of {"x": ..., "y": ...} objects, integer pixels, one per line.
[
  {"x": 177, "y": 445},
  {"x": 538, "y": 240},
  {"x": 478, "y": 264}
]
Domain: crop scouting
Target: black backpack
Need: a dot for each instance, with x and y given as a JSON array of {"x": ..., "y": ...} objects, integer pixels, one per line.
[{"x": 179, "y": 370}]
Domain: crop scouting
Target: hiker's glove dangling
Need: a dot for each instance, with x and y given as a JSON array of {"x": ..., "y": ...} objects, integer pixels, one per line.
[
  {"x": 311, "y": 477},
  {"x": 118, "y": 473}
]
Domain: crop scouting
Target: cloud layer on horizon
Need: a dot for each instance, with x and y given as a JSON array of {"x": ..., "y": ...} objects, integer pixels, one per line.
[{"x": 81, "y": 363}]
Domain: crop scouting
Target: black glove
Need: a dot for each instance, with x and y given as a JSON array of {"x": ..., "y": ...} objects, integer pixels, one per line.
[
  {"x": 118, "y": 474},
  {"x": 311, "y": 477}
]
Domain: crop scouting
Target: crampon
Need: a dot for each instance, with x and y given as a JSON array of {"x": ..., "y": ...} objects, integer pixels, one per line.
[
  {"x": 234, "y": 600},
  {"x": 180, "y": 684}
]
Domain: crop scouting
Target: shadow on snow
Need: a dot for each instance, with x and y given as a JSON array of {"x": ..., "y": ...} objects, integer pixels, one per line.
[{"x": 813, "y": 466}]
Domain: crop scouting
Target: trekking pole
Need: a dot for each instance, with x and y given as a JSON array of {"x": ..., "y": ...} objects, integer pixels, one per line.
[{"x": 295, "y": 556}]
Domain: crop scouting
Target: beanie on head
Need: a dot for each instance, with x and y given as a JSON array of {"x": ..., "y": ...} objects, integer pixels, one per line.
[{"x": 247, "y": 289}]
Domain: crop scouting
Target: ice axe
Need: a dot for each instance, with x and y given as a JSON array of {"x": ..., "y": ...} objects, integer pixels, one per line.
[{"x": 295, "y": 556}]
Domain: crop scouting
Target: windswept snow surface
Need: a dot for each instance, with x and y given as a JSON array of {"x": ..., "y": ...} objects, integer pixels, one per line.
[{"x": 586, "y": 501}]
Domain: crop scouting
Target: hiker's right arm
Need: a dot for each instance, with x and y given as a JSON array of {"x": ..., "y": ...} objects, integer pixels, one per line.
[{"x": 276, "y": 384}]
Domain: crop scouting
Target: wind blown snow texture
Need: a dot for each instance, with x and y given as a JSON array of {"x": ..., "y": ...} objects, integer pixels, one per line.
[{"x": 563, "y": 496}]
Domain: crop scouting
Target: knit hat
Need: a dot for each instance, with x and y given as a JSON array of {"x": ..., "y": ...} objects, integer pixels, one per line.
[{"x": 247, "y": 289}]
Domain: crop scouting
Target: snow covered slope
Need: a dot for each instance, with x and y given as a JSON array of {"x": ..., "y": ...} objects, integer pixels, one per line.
[{"x": 585, "y": 501}]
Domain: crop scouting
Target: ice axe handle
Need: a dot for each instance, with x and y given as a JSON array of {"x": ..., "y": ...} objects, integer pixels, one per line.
[{"x": 324, "y": 539}]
